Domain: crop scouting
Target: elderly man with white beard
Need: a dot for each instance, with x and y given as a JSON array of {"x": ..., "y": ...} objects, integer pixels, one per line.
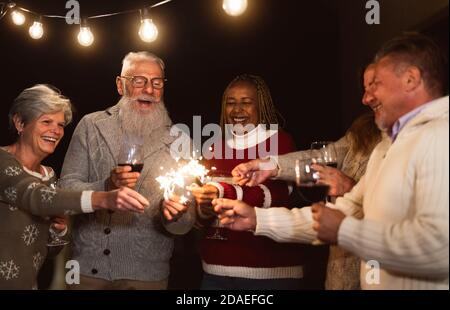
[{"x": 118, "y": 250}]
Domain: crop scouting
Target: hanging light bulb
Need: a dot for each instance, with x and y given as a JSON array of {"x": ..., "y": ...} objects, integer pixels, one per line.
[
  {"x": 18, "y": 18},
  {"x": 85, "y": 36},
  {"x": 148, "y": 31},
  {"x": 36, "y": 30},
  {"x": 234, "y": 7}
]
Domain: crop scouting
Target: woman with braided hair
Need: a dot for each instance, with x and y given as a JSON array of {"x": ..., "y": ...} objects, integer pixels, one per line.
[{"x": 240, "y": 260}]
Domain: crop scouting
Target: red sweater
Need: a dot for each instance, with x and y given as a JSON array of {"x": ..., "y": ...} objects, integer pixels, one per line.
[{"x": 243, "y": 254}]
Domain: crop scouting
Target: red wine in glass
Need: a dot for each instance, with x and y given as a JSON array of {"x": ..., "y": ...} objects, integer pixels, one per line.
[
  {"x": 332, "y": 164},
  {"x": 131, "y": 154},
  {"x": 306, "y": 180},
  {"x": 309, "y": 189},
  {"x": 313, "y": 192},
  {"x": 134, "y": 167},
  {"x": 324, "y": 153}
]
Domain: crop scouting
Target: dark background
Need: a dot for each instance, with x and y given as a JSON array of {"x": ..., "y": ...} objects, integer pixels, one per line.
[{"x": 311, "y": 53}]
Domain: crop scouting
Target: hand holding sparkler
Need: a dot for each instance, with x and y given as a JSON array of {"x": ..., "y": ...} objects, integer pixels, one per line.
[
  {"x": 204, "y": 194},
  {"x": 177, "y": 185},
  {"x": 173, "y": 209}
]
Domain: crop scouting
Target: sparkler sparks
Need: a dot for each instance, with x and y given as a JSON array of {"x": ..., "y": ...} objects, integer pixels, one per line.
[{"x": 177, "y": 181}]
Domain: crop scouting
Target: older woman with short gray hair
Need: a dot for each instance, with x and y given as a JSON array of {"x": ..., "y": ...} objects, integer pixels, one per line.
[
  {"x": 28, "y": 197},
  {"x": 37, "y": 100}
]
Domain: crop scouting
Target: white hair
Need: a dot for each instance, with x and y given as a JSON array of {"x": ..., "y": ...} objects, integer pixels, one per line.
[
  {"x": 134, "y": 57},
  {"x": 37, "y": 100}
]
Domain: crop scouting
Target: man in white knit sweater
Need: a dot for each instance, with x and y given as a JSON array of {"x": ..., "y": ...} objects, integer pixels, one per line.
[{"x": 403, "y": 195}]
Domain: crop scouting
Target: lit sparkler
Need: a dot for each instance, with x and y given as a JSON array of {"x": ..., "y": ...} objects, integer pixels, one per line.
[{"x": 177, "y": 181}]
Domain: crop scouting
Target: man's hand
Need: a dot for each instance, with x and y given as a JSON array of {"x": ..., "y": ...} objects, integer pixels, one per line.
[
  {"x": 338, "y": 181},
  {"x": 254, "y": 172},
  {"x": 172, "y": 209},
  {"x": 121, "y": 176},
  {"x": 327, "y": 222},
  {"x": 235, "y": 214}
]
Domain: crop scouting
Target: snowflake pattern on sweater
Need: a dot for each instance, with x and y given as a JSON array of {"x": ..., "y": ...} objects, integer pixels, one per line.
[
  {"x": 13, "y": 171},
  {"x": 27, "y": 200},
  {"x": 30, "y": 234},
  {"x": 11, "y": 194},
  {"x": 37, "y": 260},
  {"x": 9, "y": 270},
  {"x": 47, "y": 194}
]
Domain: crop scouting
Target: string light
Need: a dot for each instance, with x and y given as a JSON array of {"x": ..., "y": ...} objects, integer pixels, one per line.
[
  {"x": 85, "y": 36},
  {"x": 147, "y": 31},
  {"x": 18, "y": 17},
  {"x": 36, "y": 30},
  {"x": 234, "y": 7}
]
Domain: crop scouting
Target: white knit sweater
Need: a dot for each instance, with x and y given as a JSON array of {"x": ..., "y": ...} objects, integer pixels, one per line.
[{"x": 405, "y": 198}]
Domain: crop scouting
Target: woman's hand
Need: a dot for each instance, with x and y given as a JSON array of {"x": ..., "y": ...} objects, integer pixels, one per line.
[
  {"x": 338, "y": 181},
  {"x": 123, "y": 199},
  {"x": 205, "y": 194},
  {"x": 59, "y": 224},
  {"x": 254, "y": 172}
]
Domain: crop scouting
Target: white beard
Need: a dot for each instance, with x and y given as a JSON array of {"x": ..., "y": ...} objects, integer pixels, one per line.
[{"x": 139, "y": 125}]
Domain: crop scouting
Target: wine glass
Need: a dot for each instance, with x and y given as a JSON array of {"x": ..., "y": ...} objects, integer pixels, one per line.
[
  {"x": 306, "y": 181},
  {"x": 217, "y": 235},
  {"x": 131, "y": 154},
  {"x": 324, "y": 153},
  {"x": 55, "y": 240}
]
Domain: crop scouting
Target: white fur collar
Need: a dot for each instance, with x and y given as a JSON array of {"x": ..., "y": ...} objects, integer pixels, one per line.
[{"x": 250, "y": 139}]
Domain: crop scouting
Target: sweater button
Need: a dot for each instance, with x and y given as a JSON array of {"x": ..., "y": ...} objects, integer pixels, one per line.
[
  {"x": 94, "y": 271},
  {"x": 107, "y": 231},
  {"x": 106, "y": 252}
]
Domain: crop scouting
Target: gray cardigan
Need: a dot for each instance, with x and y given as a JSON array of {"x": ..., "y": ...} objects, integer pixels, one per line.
[{"x": 119, "y": 245}]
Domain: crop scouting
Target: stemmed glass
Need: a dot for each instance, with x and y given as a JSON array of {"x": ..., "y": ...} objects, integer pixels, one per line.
[
  {"x": 306, "y": 181},
  {"x": 131, "y": 154},
  {"x": 324, "y": 153},
  {"x": 54, "y": 239},
  {"x": 217, "y": 235}
]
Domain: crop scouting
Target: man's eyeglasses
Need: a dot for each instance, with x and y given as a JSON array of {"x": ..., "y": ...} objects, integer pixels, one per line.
[{"x": 141, "y": 81}]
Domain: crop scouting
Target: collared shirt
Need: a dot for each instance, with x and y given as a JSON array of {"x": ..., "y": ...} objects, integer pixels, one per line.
[{"x": 402, "y": 121}]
